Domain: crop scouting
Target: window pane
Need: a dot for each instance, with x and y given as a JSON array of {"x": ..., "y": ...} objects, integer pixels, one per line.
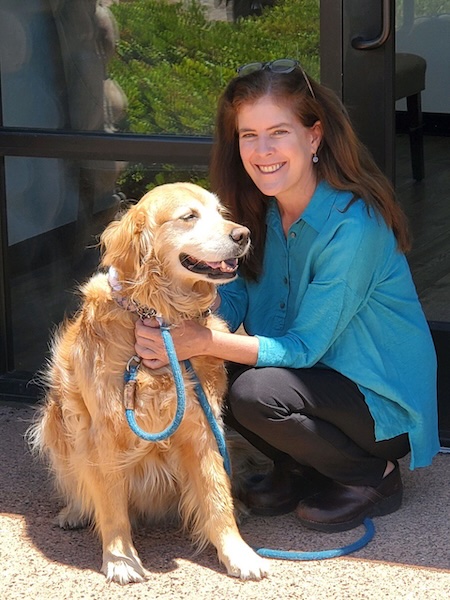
[
  {"x": 143, "y": 66},
  {"x": 424, "y": 31},
  {"x": 56, "y": 211}
]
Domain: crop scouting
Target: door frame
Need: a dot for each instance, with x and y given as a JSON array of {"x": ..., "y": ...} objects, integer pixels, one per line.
[{"x": 357, "y": 61}]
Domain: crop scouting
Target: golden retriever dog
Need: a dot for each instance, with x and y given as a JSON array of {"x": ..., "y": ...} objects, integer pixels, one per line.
[{"x": 165, "y": 257}]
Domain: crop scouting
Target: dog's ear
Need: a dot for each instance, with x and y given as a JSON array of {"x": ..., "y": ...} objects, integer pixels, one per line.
[{"x": 127, "y": 242}]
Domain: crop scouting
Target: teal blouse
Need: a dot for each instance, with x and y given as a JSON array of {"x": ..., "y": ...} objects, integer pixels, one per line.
[{"x": 337, "y": 293}]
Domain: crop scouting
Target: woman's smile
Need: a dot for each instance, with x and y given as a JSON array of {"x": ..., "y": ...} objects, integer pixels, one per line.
[{"x": 270, "y": 168}]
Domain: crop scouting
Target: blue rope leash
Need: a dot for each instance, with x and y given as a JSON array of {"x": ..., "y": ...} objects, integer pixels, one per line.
[
  {"x": 322, "y": 554},
  {"x": 130, "y": 378},
  {"x": 220, "y": 438}
]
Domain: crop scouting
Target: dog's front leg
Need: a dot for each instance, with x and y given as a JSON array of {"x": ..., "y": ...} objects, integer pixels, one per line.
[
  {"x": 121, "y": 562},
  {"x": 207, "y": 502}
]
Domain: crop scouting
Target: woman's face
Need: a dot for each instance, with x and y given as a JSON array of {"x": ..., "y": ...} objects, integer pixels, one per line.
[{"x": 277, "y": 150}]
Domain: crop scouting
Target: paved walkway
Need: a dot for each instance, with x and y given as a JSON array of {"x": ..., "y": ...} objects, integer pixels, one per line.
[{"x": 409, "y": 558}]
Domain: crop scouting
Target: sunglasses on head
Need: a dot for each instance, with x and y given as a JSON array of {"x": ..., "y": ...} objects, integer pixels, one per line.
[{"x": 281, "y": 65}]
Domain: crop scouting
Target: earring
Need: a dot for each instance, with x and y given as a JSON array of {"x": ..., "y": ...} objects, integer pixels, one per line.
[{"x": 315, "y": 158}]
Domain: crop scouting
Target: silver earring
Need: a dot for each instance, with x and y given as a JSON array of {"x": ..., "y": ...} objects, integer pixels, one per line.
[{"x": 315, "y": 158}]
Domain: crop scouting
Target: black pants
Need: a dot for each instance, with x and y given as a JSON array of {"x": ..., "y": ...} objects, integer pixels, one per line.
[{"x": 317, "y": 417}]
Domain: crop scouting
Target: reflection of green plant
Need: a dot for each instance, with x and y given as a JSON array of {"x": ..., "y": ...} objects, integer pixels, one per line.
[
  {"x": 173, "y": 63},
  {"x": 138, "y": 178},
  {"x": 421, "y": 8},
  {"x": 430, "y": 7}
]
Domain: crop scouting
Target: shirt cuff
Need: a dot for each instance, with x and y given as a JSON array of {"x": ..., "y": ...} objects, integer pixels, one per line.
[{"x": 271, "y": 353}]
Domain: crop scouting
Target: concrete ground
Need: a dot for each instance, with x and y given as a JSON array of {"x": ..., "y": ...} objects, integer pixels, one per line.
[{"x": 409, "y": 558}]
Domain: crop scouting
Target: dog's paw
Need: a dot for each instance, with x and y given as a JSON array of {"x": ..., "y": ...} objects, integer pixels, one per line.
[
  {"x": 244, "y": 563},
  {"x": 123, "y": 570},
  {"x": 70, "y": 518}
]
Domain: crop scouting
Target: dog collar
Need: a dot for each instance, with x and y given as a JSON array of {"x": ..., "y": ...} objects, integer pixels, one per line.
[{"x": 144, "y": 312}]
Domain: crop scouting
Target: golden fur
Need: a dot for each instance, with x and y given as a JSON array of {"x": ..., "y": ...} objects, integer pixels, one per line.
[{"x": 102, "y": 469}]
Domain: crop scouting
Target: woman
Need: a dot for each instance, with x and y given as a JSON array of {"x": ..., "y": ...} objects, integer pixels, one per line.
[{"x": 336, "y": 379}]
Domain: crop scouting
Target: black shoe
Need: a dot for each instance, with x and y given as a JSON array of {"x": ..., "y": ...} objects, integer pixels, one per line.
[
  {"x": 280, "y": 491},
  {"x": 340, "y": 507}
]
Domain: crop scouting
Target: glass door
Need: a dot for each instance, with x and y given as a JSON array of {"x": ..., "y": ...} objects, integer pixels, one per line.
[
  {"x": 86, "y": 126},
  {"x": 423, "y": 31}
]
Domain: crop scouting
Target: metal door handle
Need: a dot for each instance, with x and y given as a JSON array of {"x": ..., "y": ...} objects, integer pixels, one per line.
[{"x": 359, "y": 43}]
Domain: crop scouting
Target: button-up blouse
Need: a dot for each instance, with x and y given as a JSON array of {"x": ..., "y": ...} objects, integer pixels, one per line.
[{"x": 337, "y": 293}]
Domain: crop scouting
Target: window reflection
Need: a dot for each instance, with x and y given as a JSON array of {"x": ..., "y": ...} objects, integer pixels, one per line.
[
  {"x": 423, "y": 29},
  {"x": 139, "y": 66},
  {"x": 53, "y": 235},
  {"x": 142, "y": 66},
  {"x": 55, "y": 57}
]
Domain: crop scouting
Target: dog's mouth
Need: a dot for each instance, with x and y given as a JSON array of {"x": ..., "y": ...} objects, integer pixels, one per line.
[{"x": 224, "y": 269}]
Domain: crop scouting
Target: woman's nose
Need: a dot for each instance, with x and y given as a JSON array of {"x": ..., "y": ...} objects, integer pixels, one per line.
[{"x": 264, "y": 145}]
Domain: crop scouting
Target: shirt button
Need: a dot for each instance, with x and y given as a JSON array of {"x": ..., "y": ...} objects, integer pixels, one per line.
[
  {"x": 282, "y": 304},
  {"x": 285, "y": 280},
  {"x": 293, "y": 234}
]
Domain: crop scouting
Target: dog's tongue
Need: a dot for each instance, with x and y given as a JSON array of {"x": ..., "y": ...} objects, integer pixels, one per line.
[{"x": 224, "y": 265}]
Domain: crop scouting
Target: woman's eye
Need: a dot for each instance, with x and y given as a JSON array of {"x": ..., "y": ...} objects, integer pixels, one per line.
[{"x": 278, "y": 132}]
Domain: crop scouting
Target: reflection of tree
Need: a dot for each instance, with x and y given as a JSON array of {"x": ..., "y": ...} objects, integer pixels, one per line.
[
  {"x": 173, "y": 63},
  {"x": 88, "y": 36}
]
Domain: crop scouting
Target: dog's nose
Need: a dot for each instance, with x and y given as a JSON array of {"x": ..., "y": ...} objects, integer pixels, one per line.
[{"x": 240, "y": 235}]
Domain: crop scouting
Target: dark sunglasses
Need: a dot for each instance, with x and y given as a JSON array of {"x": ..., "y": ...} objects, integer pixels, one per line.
[{"x": 281, "y": 65}]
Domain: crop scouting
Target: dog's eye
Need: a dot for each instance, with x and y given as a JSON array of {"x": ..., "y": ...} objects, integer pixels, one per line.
[{"x": 189, "y": 216}]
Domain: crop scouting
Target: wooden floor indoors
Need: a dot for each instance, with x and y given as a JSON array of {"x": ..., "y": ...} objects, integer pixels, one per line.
[{"x": 427, "y": 204}]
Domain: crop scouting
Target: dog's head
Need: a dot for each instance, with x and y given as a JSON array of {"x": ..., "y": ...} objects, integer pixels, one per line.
[{"x": 173, "y": 246}]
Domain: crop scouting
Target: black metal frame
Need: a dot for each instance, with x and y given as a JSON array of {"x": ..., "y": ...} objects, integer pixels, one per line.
[
  {"x": 89, "y": 145},
  {"x": 441, "y": 337},
  {"x": 6, "y": 350},
  {"x": 360, "y": 39}
]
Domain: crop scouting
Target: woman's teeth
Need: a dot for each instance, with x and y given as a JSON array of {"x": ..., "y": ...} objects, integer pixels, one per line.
[{"x": 270, "y": 168}]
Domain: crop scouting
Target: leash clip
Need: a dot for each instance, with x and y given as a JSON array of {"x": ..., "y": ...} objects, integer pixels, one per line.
[{"x": 133, "y": 364}]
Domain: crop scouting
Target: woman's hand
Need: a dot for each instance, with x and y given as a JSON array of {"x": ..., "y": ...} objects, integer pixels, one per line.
[
  {"x": 191, "y": 339},
  {"x": 187, "y": 339}
]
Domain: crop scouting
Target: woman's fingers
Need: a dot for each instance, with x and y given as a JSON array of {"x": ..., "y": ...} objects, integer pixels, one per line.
[{"x": 149, "y": 344}]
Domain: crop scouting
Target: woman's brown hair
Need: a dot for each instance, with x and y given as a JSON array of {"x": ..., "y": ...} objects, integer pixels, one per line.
[{"x": 344, "y": 162}]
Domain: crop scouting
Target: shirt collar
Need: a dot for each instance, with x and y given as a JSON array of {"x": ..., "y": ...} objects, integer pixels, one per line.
[{"x": 317, "y": 211}]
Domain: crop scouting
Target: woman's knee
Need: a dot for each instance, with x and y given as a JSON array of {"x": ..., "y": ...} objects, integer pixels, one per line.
[{"x": 252, "y": 397}]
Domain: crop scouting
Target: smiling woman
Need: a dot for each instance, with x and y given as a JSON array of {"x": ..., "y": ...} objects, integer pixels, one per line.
[{"x": 327, "y": 277}]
